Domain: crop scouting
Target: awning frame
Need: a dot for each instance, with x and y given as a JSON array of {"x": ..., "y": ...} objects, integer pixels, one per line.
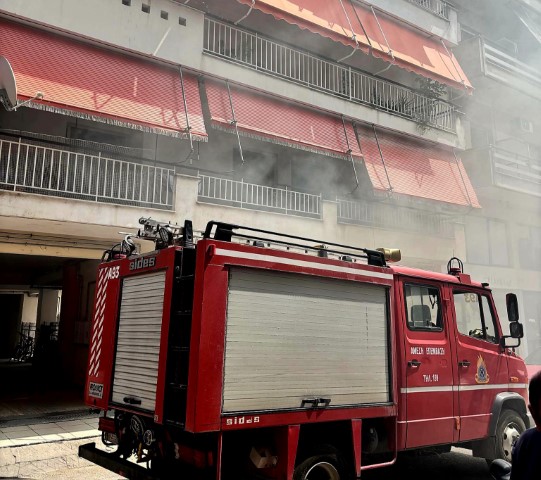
[
  {"x": 114, "y": 104},
  {"x": 223, "y": 123},
  {"x": 234, "y": 121},
  {"x": 350, "y": 156},
  {"x": 390, "y": 189}
]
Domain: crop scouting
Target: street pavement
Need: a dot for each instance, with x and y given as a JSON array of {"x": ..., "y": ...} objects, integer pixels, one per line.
[{"x": 47, "y": 447}]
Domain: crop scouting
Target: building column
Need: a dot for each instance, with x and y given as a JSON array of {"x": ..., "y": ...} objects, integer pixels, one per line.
[{"x": 69, "y": 313}]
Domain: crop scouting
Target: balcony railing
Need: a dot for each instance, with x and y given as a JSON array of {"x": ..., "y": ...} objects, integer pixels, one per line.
[
  {"x": 517, "y": 172},
  {"x": 495, "y": 56},
  {"x": 239, "y": 194},
  {"x": 389, "y": 216},
  {"x": 439, "y": 7},
  {"x": 35, "y": 168},
  {"x": 257, "y": 52}
]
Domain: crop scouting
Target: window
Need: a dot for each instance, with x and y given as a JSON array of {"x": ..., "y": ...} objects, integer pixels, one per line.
[
  {"x": 474, "y": 316},
  {"x": 423, "y": 308},
  {"x": 486, "y": 241},
  {"x": 530, "y": 249}
]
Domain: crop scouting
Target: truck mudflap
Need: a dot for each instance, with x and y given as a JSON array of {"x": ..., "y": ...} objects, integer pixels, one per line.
[{"x": 115, "y": 464}]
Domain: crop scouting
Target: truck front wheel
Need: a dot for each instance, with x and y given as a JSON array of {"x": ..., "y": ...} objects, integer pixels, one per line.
[
  {"x": 327, "y": 465},
  {"x": 510, "y": 426}
]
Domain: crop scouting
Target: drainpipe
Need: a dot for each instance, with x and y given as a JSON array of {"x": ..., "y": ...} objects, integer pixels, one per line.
[{"x": 247, "y": 13}]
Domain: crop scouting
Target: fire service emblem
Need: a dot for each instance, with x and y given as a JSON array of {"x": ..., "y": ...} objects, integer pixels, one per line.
[{"x": 482, "y": 375}]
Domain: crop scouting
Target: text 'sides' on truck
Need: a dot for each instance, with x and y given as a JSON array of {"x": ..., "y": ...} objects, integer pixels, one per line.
[{"x": 248, "y": 353}]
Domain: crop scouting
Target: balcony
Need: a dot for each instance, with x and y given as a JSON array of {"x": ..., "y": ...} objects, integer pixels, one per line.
[
  {"x": 480, "y": 58},
  {"x": 46, "y": 170},
  {"x": 516, "y": 172},
  {"x": 223, "y": 191},
  {"x": 256, "y": 52},
  {"x": 438, "y": 7},
  {"x": 397, "y": 218}
]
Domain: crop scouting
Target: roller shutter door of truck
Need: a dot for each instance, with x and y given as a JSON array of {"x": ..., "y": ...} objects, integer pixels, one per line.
[
  {"x": 138, "y": 344},
  {"x": 291, "y": 337}
]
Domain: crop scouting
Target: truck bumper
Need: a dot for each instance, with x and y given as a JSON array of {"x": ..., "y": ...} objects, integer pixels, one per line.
[{"x": 118, "y": 465}]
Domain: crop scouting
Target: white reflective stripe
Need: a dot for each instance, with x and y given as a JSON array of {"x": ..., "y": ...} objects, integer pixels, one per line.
[
  {"x": 300, "y": 263},
  {"x": 443, "y": 418},
  {"x": 490, "y": 386},
  {"x": 464, "y": 388},
  {"x": 443, "y": 388},
  {"x": 476, "y": 415},
  {"x": 427, "y": 419}
]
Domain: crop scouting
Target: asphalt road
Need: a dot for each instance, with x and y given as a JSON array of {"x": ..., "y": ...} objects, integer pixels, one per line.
[{"x": 457, "y": 465}]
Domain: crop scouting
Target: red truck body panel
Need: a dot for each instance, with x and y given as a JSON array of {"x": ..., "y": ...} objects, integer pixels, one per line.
[{"x": 444, "y": 381}]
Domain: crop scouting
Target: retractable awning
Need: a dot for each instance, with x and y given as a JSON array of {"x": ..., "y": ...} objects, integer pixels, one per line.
[
  {"x": 373, "y": 32},
  {"x": 95, "y": 83},
  {"x": 406, "y": 166},
  {"x": 279, "y": 121}
]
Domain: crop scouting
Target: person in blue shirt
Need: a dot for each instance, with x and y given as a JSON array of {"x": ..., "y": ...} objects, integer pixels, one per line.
[{"x": 526, "y": 453}]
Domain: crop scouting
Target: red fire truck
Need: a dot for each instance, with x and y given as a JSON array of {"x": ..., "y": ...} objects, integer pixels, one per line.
[{"x": 253, "y": 354}]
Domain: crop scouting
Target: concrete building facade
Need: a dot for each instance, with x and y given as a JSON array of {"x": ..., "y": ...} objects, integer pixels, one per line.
[{"x": 337, "y": 120}]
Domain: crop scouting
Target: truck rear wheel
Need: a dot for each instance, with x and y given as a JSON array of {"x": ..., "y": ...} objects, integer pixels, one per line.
[
  {"x": 327, "y": 464},
  {"x": 510, "y": 426}
]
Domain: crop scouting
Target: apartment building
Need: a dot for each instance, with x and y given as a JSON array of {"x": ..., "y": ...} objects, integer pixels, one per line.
[
  {"x": 500, "y": 51},
  {"x": 327, "y": 119}
]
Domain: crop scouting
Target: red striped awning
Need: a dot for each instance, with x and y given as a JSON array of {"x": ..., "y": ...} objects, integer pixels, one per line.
[
  {"x": 407, "y": 166},
  {"x": 274, "y": 119},
  {"x": 92, "y": 82},
  {"x": 381, "y": 35}
]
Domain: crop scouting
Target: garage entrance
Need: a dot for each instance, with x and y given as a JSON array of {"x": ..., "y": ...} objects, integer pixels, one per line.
[{"x": 46, "y": 305}]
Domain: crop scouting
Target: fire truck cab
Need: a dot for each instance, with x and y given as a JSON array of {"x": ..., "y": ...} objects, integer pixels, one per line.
[{"x": 251, "y": 353}]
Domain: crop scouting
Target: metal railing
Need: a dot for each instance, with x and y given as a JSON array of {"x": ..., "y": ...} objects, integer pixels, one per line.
[
  {"x": 258, "y": 197},
  {"x": 498, "y": 57},
  {"x": 390, "y": 216},
  {"x": 262, "y": 54},
  {"x": 47, "y": 170},
  {"x": 522, "y": 173},
  {"x": 439, "y": 7}
]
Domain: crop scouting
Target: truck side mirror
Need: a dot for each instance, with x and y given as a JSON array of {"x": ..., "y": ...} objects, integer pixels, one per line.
[
  {"x": 516, "y": 329},
  {"x": 512, "y": 307}
]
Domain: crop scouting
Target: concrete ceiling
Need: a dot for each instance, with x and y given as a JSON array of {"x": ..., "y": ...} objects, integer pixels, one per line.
[{"x": 31, "y": 271}]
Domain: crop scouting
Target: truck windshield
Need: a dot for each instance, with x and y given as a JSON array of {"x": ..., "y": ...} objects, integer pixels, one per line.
[{"x": 474, "y": 316}]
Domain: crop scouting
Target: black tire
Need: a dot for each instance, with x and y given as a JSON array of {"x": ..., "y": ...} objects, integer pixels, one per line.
[
  {"x": 326, "y": 463},
  {"x": 510, "y": 427}
]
